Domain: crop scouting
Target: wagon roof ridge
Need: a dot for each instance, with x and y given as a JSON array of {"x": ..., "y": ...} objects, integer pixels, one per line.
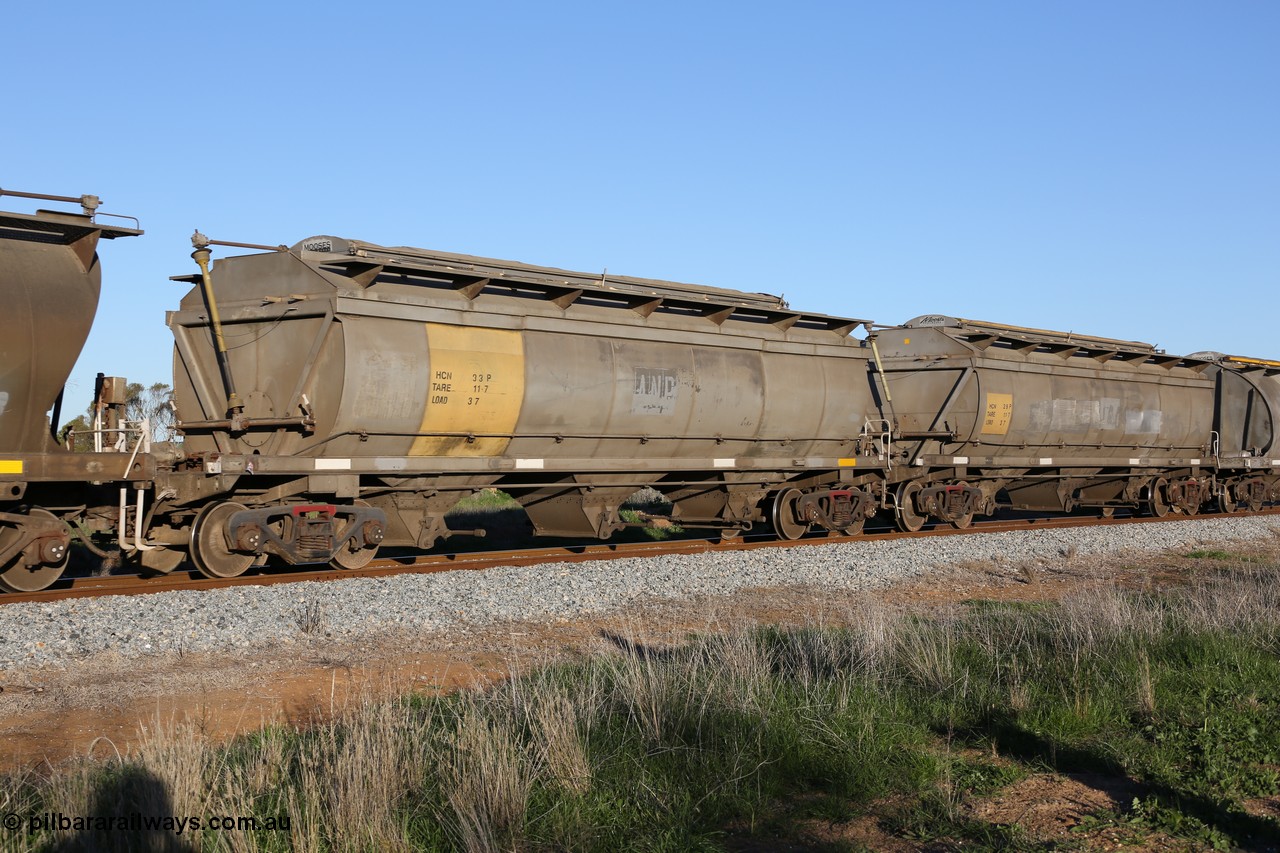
[
  {"x": 1024, "y": 333},
  {"x": 449, "y": 262}
]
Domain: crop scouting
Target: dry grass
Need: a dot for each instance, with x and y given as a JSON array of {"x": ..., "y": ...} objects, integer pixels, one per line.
[
  {"x": 486, "y": 780},
  {"x": 573, "y": 748}
]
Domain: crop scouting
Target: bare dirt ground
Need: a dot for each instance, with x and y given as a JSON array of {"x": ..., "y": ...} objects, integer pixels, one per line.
[{"x": 102, "y": 706}]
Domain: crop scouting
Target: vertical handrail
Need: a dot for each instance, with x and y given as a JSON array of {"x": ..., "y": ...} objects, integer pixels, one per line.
[
  {"x": 201, "y": 256},
  {"x": 883, "y": 435}
]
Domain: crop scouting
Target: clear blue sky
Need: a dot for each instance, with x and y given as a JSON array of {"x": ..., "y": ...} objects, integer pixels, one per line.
[{"x": 1104, "y": 167}]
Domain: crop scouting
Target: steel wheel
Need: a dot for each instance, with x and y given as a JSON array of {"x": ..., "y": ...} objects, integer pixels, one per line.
[
  {"x": 209, "y": 549},
  {"x": 1108, "y": 512},
  {"x": 786, "y": 522},
  {"x": 904, "y": 511},
  {"x": 17, "y": 577},
  {"x": 1156, "y": 502},
  {"x": 854, "y": 529},
  {"x": 354, "y": 556},
  {"x": 158, "y": 561},
  {"x": 1224, "y": 501}
]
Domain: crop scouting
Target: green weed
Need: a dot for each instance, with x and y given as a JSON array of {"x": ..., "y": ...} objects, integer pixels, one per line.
[
  {"x": 756, "y": 734},
  {"x": 654, "y": 527},
  {"x": 1211, "y": 554}
]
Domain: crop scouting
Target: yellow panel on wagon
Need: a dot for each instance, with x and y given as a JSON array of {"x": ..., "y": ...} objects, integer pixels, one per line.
[
  {"x": 477, "y": 387},
  {"x": 999, "y": 412}
]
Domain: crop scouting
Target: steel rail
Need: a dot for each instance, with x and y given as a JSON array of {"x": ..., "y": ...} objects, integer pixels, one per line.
[{"x": 480, "y": 560}]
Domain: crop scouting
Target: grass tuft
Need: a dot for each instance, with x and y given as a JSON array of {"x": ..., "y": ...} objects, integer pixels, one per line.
[{"x": 752, "y": 737}]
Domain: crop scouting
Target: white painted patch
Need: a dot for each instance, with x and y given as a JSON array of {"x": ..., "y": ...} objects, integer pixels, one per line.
[
  {"x": 333, "y": 464},
  {"x": 724, "y": 463},
  {"x": 530, "y": 463},
  {"x": 960, "y": 460},
  {"x": 1135, "y": 461},
  {"x": 1195, "y": 461},
  {"x": 1143, "y": 422},
  {"x": 1072, "y": 415},
  {"x": 1048, "y": 461}
]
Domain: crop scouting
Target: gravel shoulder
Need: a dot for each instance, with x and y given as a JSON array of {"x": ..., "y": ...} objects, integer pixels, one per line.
[{"x": 87, "y": 673}]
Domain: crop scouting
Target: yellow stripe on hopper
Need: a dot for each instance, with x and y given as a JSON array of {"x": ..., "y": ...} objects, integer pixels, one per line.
[
  {"x": 476, "y": 386},
  {"x": 10, "y": 466}
]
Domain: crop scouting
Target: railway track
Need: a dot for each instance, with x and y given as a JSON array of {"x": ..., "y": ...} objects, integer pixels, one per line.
[{"x": 88, "y": 587}]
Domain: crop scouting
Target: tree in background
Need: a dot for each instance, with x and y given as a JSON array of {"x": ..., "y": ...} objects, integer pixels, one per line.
[{"x": 153, "y": 402}]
